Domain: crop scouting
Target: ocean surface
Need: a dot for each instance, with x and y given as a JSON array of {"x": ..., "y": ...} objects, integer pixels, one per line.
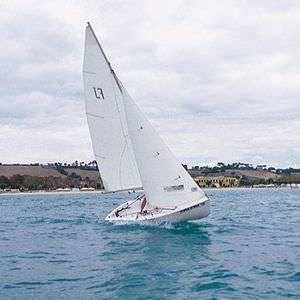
[{"x": 59, "y": 247}]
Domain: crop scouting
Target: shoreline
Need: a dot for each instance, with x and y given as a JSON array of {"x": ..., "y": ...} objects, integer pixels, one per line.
[
  {"x": 40, "y": 193},
  {"x": 52, "y": 192}
]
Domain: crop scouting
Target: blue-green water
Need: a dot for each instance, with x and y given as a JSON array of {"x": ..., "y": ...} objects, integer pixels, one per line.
[{"x": 59, "y": 247}]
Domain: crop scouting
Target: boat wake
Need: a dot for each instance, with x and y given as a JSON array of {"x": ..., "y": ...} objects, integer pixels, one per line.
[{"x": 187, "y": 226}]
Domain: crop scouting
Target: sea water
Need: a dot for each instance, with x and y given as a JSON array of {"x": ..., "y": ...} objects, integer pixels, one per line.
[{"x": 59, "y": 247}]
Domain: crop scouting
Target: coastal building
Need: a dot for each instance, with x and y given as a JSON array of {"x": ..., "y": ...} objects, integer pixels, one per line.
[
  {"x": 261, "y": 167},
  {"x": 216, "y": 181}
]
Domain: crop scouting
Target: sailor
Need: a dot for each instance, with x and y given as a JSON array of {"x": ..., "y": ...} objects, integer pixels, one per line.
[{"x": 143, "y": 204}]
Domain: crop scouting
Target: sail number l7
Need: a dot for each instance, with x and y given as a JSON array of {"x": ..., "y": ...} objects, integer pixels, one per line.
[{"x": 98, "y": 93}]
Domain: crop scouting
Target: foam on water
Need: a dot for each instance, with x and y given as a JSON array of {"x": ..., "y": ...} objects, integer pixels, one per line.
[{"x": 60, "y": 247}]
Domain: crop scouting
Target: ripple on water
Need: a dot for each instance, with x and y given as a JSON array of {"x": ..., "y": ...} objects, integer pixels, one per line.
[
  {"x": 295, "y": 277},
  {"x": 211, "y": 286},
  {"x": 56, "y": 247}
]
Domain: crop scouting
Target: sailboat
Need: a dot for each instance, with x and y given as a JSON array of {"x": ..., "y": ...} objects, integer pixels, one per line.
[{"x": 130, "y": 154}]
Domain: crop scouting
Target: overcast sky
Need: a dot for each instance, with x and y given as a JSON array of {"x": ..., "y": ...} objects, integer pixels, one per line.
[{"x": 219, "y": 80}]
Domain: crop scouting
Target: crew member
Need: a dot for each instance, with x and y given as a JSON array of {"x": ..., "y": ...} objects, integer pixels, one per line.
[{"x": 143, "y": 204}]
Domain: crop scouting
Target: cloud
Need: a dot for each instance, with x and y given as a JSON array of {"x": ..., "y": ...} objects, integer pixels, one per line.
[{"x": 218, "y": 80}]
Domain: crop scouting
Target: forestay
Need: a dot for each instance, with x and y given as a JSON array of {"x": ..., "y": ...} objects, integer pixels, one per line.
[{"x": 106, "y": 119}]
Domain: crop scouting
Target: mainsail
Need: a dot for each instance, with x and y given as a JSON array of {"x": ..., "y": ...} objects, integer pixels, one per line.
[
  {"x": 106, "y": 119},
  {"x": 128, "y": 150}
]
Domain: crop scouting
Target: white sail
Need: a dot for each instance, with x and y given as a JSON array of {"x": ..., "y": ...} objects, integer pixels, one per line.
[
  {"x": 106, "y": 119},
  {"x": 166, "y": 183}
]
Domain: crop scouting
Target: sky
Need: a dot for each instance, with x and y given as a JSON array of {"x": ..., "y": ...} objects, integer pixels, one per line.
[{"x": 219, "y": 80}]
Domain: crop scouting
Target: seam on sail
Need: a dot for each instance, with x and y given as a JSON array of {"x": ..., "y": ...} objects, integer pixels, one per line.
[
  {"x": 96, "y": 116},
  {"x": 87, "y": 72}
]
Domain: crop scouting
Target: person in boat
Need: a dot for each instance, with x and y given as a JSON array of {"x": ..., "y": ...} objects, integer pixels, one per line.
[{"x": 143, "y": 204}]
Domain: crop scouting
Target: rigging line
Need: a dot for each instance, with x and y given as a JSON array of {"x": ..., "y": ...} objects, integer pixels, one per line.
[
  {"x": 137, "y": 199},
  {"x": 117, "y": 80},
  {"x": 124, "y": 190}
]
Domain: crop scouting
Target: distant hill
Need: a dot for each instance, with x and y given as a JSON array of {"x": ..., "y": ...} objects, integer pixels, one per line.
[
  {"x": 45, "y": 171},
  {"x": 261, "y": 174},
  {"x": 250, "y": 174},
  {"x": 40, "y": 171},
  {"x": 57, "y": 175},
  {"x": 49, "y": 177},
  {"x": 83, "y": 173}
]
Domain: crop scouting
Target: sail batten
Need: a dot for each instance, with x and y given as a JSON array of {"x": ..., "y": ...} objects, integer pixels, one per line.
[{"x": 94, "y": 115}]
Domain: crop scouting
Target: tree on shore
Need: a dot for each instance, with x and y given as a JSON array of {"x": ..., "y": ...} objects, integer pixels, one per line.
[{"x": 27, "y": 182}]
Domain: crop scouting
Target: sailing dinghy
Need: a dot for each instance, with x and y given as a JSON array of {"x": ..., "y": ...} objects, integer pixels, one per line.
[{"x": 129, "y": 152}]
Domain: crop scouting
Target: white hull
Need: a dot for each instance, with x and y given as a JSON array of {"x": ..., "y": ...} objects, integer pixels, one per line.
[{"x": 130, "y": 211}]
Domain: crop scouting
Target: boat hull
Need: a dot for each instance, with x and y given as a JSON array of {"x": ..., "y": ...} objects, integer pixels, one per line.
[{"x": 194, "y": 211}]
